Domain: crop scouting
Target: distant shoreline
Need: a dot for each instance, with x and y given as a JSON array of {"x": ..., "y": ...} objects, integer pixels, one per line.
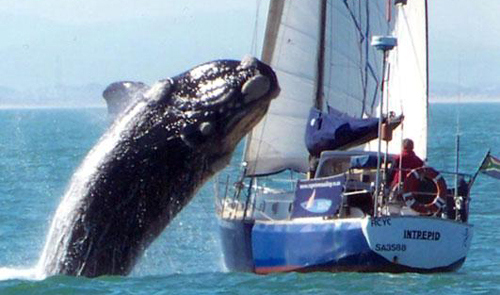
[
  {"x": 33, "y": 107},
  {"x": 432, "y": 100},
  {"x": 462, "y": 100}
]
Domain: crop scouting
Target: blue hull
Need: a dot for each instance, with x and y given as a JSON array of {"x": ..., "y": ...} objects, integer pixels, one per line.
[
  {"x": 306, "y": 247},
  {"x": 237, "y": 244}
]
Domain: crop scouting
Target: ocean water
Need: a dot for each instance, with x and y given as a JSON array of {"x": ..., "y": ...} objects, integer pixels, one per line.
[{"x": 41, "y": 148}]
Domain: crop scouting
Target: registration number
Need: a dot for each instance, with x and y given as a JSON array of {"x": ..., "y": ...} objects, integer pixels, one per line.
[{"x": 390, "y": 247}]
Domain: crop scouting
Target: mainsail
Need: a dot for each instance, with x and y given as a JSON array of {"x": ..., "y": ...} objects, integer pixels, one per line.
[{"x": 297, "y": 37}]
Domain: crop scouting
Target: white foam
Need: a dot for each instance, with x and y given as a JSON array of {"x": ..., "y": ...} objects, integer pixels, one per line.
[{"x": 31, "y": 274}]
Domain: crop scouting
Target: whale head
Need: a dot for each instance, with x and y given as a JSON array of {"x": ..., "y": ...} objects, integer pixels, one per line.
[
  {"x": 230, "y": 97},
  {"x": 218, "y": 103}
]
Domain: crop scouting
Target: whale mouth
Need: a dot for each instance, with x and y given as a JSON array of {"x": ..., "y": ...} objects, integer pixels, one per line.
[{"x": 262, "y": 86}]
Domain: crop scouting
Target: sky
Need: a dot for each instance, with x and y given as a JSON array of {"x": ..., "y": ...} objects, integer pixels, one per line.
[
  {"x": 80, "y": 42},
  {"x": 464, "y": 42},
  {"x": 75, "y": 42}
]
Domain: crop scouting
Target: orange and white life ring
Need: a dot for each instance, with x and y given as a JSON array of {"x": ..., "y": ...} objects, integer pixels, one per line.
[{"x": 411, "y": 188}]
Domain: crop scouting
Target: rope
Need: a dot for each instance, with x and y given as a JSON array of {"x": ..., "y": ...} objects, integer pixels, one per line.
[
  {"x": 254, "y": 46},
  {"x": 264, "y": 120}
]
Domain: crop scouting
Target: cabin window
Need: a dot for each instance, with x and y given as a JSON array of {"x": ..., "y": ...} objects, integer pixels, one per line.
[{"x": 333, "y": 167}]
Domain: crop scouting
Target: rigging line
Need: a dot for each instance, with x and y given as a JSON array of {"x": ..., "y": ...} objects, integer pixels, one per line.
[
  {"x": 356, "y": 22},
  {"x": 364, "y": 72},
  {"x": 374, "y": 72},
  {"x": 254, "y": 51},
  {"x": 255, "y": 36},
  {"x": 368, "y": 67},
  {"x": 459, "y": 97},
  {"x": 389, "y": 16},
  {"x": 460, "y": 91},
  {"x": 377, "y": 86},
  {"x": 457, "y": 160},
  {"x": 362, "y": 38},
  {"x": 330, "y": 52}
]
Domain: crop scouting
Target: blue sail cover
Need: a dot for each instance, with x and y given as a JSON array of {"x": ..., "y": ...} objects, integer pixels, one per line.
[{"x": 335, "y": 130}]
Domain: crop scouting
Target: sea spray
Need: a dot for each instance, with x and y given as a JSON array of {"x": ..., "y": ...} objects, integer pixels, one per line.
[{"x": 32, "y": 274}]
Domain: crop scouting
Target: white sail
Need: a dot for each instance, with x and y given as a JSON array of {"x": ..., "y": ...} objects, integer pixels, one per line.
[
  {"x": 352, "y": 73},
  {"x": 408, "y": 76},
  {"x": 291, "y": 43}
]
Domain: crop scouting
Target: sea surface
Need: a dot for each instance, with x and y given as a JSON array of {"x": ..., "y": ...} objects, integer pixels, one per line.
[{"x": 41, "y": 148}]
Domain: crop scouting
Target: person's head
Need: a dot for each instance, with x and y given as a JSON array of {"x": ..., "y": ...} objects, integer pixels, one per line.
[{"x": 408, "y": 144}]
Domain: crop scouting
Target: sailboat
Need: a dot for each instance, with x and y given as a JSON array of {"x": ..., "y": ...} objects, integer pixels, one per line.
[{"x": 315, "y": 192}]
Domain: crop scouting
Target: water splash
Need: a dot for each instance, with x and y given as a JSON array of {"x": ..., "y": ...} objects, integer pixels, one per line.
[{"x": 30, "y": 274}]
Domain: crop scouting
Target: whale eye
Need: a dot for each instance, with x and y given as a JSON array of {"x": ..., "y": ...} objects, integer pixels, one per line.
[
  {"x": 206, "y": 128},
  {"x": 193, "y": 134}
]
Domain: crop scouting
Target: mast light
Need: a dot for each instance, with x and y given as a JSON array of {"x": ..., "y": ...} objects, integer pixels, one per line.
[{"x": 384, "y": 43}]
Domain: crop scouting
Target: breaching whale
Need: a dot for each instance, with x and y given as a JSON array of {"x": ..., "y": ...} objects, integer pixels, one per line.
[{"x": 151, "y": 162}]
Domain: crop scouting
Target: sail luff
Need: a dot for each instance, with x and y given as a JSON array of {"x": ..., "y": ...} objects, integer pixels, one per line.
[
  {"x": 272, "y": 25},
  {"x": 277, "y": 142}
]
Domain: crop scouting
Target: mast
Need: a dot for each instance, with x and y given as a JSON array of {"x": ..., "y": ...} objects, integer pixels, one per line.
[
  {"x": 384, "y": 44},
  {"x": 318, "y": 102}
]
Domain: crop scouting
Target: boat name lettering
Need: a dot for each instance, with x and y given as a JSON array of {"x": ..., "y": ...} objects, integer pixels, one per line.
[
  {"x": 380, "y": 221},
  {"x": 319, "y": 184},
  {"x": 421, "y": 235},
  {"x": 390, "y": 247}
]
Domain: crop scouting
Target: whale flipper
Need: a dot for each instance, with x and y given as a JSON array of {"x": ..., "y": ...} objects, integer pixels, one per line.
[{"x": 119, "y": 95}]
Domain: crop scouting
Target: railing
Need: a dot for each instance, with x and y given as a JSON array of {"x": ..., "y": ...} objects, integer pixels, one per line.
[
  {"x": 248, "y": 200},
  {"x": 241, "y": 200}
]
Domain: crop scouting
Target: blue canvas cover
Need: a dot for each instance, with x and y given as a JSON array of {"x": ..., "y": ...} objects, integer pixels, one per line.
[
  {"x": 318, "y": 197},
  {"x": 338, "y": 131}
]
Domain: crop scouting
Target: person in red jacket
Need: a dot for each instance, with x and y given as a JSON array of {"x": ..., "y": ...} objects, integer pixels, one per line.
[{"x": 405, "y": 162}]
